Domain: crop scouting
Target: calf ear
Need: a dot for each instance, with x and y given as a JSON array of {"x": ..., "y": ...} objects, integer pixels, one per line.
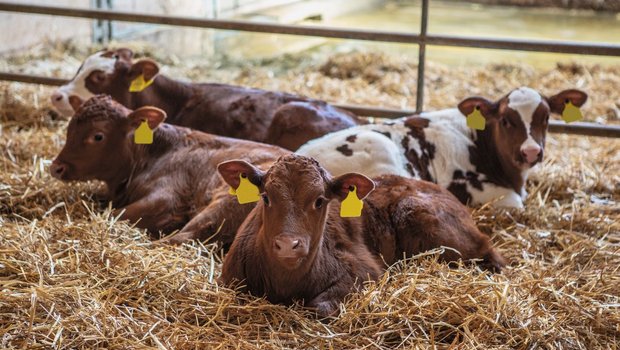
[
  {"x": 124, "y": 53},
  {"x": 148, "y": 68},
  {"x": 557, "y": 102},
  {"x": 342, "y": 185},
  {"x": 230, "y": 171},
  {"x": 75, "y": 102},
  {"x": 468, "y": 105},
  {"x": 153, "y": 116}
]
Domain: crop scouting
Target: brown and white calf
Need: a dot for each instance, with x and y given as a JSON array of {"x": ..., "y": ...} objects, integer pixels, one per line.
[
  {"x": 273, "y": 117},
  {"x": 294, "y": 246},
  {"x": 477, "y": 166},
  {"x": 164, "y": 186}
]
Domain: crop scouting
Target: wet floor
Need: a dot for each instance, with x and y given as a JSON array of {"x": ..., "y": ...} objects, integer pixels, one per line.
[{"x": 449, "y": 18}]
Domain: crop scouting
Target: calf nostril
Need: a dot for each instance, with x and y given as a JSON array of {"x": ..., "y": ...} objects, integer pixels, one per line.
[
  {"x": 59, "y": 169},
  {"x": 57, "y": 97},
  {"x": 276, "y": 245},
  {"x": 295, "y": 244}
]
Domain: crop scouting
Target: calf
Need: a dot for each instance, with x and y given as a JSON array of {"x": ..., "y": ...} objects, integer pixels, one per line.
[
  {"x": 220, "y": 109},
  {"x": 295, "y": 245},
  {"x": 477, "y": 166},
  {"x": 164, "y": 186}
]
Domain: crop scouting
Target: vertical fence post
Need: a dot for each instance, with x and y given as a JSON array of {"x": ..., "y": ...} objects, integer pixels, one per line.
[
  {"x": 110, "y": 33},
  {"x": 419, "y": 102},
  {"x": 102, "y": 29}
]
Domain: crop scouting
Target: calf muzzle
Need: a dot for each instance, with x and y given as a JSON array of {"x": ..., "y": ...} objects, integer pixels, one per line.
[
  {"x": 290, "y": 249},
  {"x": 58, "y": 169}
]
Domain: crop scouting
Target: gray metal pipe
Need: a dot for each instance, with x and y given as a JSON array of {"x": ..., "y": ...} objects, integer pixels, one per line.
[{"x": 601, "y": 49}]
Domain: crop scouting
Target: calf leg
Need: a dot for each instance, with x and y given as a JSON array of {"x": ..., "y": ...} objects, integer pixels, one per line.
[
  {"x": 217, "y": 222},
  {"x": 423, "y": 225},
  {"x": 154, "y": 213}
]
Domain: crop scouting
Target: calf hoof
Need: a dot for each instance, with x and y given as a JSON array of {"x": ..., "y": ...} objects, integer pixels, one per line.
[
  {"x": 176, "y": 239},
  {"x": 325, "y": 309}
]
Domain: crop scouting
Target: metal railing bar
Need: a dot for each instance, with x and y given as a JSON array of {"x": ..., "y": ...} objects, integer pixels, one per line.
[
  {"x": 32, "y": 79},
  {"x": 586, "y": 129},
  {"x": 601, "y": 49},
  {"x": 555, "y": 126},
  {"x": 419, "y": 101}
]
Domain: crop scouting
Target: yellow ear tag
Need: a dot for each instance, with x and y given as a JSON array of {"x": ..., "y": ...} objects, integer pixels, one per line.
[
  {"x": 475, "y": 120},
  {"x": 139, "y": 84},
  {"x": 247, "y": 192},
  {"x": 143, "y": 134},
  {"x": 351, "y": 206},
  {"x": 571, "y": 113}
]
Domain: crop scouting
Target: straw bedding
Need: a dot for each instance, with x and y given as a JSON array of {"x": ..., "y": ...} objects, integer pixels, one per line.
[{"x": 72, "y": 276}]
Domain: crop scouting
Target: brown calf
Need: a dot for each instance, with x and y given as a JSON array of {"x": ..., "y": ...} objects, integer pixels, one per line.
[
  {"x": 164, "y": 186},
  {"x": 214, "y": 108},
  {"x": 295, "y": 246}
]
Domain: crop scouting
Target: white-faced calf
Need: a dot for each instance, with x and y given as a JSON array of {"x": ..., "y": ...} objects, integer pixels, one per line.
[
  {"x": 164, "y": 186},
  {"x": 477, "y": 166},
  {"x": 295, "y": 246},
  {"x": 245, "y": 113}
]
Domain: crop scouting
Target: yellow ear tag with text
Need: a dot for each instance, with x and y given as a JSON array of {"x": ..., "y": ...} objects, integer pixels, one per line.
[
  {"x": 143, "y": 134},
  {"x": 247, "y": 192},
  {"x": 139, "y": 84},
  {"x": 475, "y": 120},
  {"x": 571, "y": 113},
  {"x": 351, "y": 206}
]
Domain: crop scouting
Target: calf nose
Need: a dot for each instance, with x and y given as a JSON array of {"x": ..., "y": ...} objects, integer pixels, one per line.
[
  {"x": 57, "y": 97},
  {"x": 57, "y": 169},
  {"x": 531, "y": 153},
  {"x": 287, "y": 246}
]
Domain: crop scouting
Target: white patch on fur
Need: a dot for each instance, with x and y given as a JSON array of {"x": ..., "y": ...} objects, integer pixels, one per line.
[
  {"x": 501, "y": 197},
  {"x": 452, "y": 138},
  {"x": 373, "y": 153},
  {"x": 525, "y": 101},
  {"x": 77, "y": 86}
]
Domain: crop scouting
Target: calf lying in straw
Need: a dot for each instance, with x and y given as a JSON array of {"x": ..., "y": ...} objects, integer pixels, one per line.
[
  {"x": 167, "y": 185},
  {"x": 273, "y": 117},
  {"x": 295, "y": 246},
  {"x": 481, "y": 151}
]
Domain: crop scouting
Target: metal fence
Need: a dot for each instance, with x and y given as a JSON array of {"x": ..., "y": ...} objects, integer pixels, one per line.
[{"x": 422, "y": 40}]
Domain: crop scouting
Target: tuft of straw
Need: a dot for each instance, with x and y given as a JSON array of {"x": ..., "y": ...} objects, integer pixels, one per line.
[{"x": 74, "y": 277}]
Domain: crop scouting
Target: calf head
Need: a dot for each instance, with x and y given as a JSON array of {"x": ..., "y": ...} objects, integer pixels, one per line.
[
  {"x": 296, "y": 192},
  {"x": 105, "y": 72},
  {"x": 100, "y": 140},
  {"x": 516, "y": 125}
]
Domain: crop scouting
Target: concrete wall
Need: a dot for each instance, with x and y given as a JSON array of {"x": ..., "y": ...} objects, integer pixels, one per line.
[{"x": 20, "y": 31}]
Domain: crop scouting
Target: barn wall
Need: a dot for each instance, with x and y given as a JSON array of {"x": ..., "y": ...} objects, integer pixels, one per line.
[
  {"x": 19, "y": 31},
  {"x": 30, "y": 30}
]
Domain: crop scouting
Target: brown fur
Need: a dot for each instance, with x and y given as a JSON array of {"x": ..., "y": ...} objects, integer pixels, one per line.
[
  {"x": 333, "y": 255},
  {"x": 221, "y": 109},
  {"x": 168, "y": 185}
]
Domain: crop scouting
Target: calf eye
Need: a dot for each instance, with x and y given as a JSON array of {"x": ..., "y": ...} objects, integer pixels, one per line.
[
  {"x": 98, "y": 137},
  {"x": 265, "y": 199},
  {"x": 319, "y": 203},
  {"x": 506, "y": 123},
  {"x": 97, "y": 77}
]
